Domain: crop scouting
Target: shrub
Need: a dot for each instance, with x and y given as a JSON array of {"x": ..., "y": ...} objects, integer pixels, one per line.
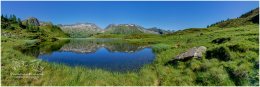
[
  {"x": 255, "y": 50},
  {"x": 238, "y": 48},
  {"x": 53, "y": 39},
  {"x": 221, "y": 40},
  {"x": 189, "y": 40},
  {"x": 222, "y": 53},
  {"x": 254, "y": 39}
]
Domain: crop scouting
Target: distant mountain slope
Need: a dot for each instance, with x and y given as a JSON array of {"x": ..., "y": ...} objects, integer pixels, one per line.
[
  {"x": 123, "y": 29},
  {"x": 81, "y": 29},
  {"x": 127, "y": 29},
  {"x": 158, "y": 30},
  {"x": 245, "y": 19}
]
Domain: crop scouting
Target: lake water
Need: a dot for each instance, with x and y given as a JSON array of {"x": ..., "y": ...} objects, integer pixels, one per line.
[{"x": 107, "y": 54}]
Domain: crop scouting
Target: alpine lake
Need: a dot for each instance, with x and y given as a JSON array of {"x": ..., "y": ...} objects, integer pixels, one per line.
[{"x": 115, "y": 55}]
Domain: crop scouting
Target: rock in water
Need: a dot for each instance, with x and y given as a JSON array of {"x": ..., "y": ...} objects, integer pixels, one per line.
[{"x": 193, "y": 52}]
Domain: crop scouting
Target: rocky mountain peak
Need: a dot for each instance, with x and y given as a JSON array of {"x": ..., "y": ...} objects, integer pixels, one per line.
[
  {"x": 81, "y": 29},
  {"x": 127, "y": 25},
  {"x": 32, "y": 21},
  {"x": 82, "y": 26}
]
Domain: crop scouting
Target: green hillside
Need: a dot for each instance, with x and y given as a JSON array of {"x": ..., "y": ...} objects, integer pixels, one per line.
[
  {"x": 30, "y": 28},
  {"x": 250, "y": 17}
]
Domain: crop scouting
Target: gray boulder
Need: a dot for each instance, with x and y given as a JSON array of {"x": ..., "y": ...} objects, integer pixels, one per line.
[{"x": 195, "y": 52}]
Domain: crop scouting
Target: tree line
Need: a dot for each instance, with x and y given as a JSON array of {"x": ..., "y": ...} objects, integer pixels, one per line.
[{"x": 12, "y": 22}]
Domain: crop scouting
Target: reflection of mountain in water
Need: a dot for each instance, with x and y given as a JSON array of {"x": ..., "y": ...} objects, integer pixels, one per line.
[
  {"x": 88, "y": 46},
  {"x": 81, "y": 46}
]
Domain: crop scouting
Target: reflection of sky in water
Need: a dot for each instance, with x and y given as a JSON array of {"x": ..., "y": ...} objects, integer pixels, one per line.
[{"x": 103, "y": 58}]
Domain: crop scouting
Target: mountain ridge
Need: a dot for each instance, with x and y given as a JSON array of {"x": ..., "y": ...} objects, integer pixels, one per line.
[
  {"x": 90, "y": 29},
  {"x": 81, "y": 29}
]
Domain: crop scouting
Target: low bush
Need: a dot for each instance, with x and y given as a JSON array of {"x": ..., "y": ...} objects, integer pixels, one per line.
[
  {"x": 254, "y": 50},
  {"x": 221, "y": 40},
  {"x": 254, "y": 39},
  {"x": 238, "y": 48},
  {"x": 221, "y": 53}
]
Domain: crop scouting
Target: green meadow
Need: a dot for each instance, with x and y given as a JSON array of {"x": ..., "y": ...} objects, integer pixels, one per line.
[
  {"x": 240, "y": 67},
  {"x": 231, "y": 58}
]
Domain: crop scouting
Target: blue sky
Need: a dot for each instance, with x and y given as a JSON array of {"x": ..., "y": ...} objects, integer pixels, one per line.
[{"x": 173, "y": 15}]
